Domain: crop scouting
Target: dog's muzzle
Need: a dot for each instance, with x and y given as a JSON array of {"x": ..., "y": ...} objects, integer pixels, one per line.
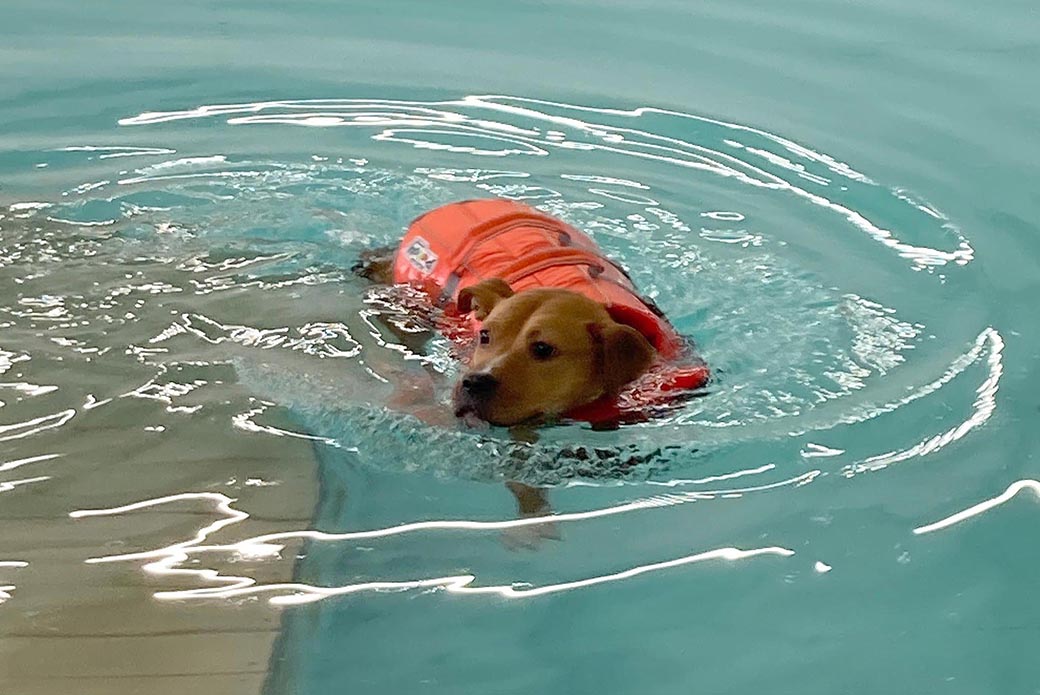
[{"x": 473, "y": 393}]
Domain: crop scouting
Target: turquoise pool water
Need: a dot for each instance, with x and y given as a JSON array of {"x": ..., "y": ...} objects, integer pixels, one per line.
[{"x": 202, "y": 485}]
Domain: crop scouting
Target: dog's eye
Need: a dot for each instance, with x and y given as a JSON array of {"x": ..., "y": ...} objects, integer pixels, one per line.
[
  {"x": 542, "y": 351},
  {"x": 485, "y": 337}
]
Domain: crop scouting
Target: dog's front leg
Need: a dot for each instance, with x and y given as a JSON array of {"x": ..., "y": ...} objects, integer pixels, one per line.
[{"x": 531, "y": 503}]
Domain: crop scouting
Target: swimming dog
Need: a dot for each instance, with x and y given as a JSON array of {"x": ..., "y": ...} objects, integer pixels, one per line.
[
  {"x": 550, "y": 327},
  {"x": 553, "y": 328}
]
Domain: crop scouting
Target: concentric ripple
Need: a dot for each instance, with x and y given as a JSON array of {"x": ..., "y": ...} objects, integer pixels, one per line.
[{"x": 213, "y": 288}]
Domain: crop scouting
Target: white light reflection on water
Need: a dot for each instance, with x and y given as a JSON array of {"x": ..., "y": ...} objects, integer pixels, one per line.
[
  {"x": 982, "y": 409},
  {"x": 440, "y": 125},
  {"x": 6, "y": 589},
  {"x": 306, "y": 593},
  {"x": 1013, "y": 489},
  {"x": 244, "y": 421},
  {"x": 166, "y": 561},
  {"x": 8, "y": 485},
  {"x": 19, "y": 430},
  {"x": 111, "y": 152},
  {"x": 11, "y": 465}
]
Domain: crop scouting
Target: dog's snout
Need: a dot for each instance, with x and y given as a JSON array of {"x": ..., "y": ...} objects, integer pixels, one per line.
[{"x": 479, "y": 384}]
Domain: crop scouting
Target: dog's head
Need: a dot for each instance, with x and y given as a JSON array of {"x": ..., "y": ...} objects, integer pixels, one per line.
[{"x": 543, "y": 352}]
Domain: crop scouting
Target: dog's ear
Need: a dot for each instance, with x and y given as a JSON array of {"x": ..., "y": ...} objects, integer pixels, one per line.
[
  {"x": 482, "y": 297},
  {"x": 626, "y": 354}
]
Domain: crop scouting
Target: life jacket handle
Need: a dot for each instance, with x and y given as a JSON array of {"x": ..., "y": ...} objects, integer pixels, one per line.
[
  {"x": 552, "y": 258},
  {"x": 504, "y": 223}
]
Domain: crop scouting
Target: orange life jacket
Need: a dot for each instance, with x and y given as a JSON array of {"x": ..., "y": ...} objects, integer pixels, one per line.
[{"x": 460, "y": 244}]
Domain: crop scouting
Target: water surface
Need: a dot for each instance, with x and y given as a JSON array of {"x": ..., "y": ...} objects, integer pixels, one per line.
[{"x": 202, "y": 484}]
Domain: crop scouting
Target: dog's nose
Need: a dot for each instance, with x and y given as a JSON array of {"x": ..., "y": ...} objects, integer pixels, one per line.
[{"x": 480, "y": 384}]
